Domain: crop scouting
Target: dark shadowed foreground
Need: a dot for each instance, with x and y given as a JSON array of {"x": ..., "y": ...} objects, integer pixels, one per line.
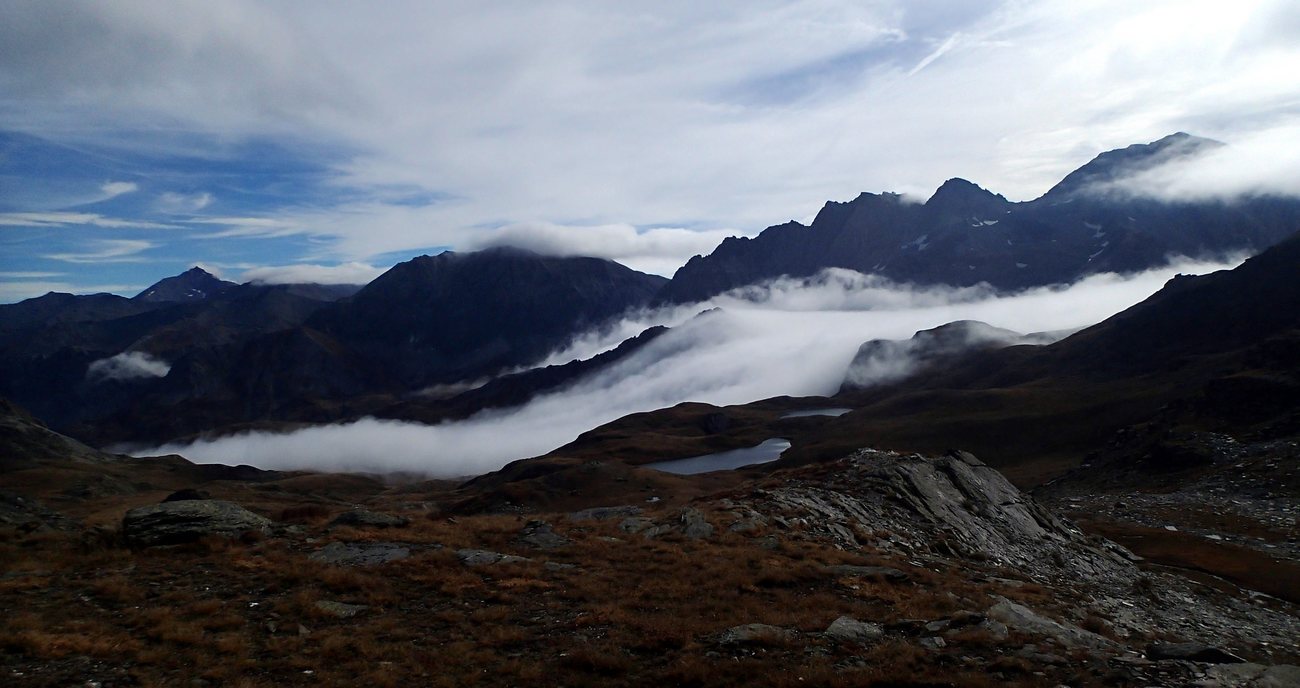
[{"x": 876, "y": 569}]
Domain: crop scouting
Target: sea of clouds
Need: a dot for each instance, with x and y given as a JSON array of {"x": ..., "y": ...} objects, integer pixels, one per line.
[{"x": 787, "y": 337}]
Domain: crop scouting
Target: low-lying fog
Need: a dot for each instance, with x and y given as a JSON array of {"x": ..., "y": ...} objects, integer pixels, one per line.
[{"x": 791, "y": 337}]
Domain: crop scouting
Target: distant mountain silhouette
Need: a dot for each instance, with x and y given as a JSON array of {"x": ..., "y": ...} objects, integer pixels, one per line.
[
  {"x": 194, "y": 284},
  {"x": 964, "y": 235},
  {"x": 257, "y": 353}
]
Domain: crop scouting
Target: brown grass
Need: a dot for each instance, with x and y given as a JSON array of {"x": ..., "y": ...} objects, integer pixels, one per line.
[
  {"x": 634, "y": 611},
  {"x": 1246, "y": 567}
]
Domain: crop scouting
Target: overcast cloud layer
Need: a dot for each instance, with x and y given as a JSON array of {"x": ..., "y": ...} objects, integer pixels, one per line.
[
  {"x": 639, "y": 131},
  {"x": 793, "y": 337}
]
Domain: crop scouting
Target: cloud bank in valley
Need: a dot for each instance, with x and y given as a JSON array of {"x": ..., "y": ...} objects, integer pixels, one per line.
[
  {"x": 345, "y": 273},
  {"x": 790, "y": 337},
  {"x": 128, "y": 365}
]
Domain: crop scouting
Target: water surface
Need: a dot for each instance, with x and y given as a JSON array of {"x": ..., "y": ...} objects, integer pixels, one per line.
[
  {"x": 725, "y": 461},
  {"x": 816, "y": 412}
]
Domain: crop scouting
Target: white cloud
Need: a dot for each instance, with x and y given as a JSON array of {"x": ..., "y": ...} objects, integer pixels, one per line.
[
  {"x": 106, "y": 251},
  {"x": 1260, "y": 165},
  {"x": 659, "y": 250},
  {"x": 29, "y": 275},
  {"x": 126, "y": 366},
  {"x": 742, "y": 352},
  {"x": 719, "y": 117},
  {"x": 53, "y": 219},
  {"x": 177, "y": 203},
  {"x": 115, "y": 189},
  {"x": 344, "y": 273}
]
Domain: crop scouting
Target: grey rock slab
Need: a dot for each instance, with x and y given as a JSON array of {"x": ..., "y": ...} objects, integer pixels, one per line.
[
  {"x": 340, "y": 609},
  {"x": 483, "y": 557},
  {"x": 540, "y": 535},
  {"x": 933, "y": 643},
  {"x": 603, "y": 513},
  {"x": 360, "y": 553},
  {"x": 363, "y": 518},
  {"x": 655, "y": 531},
  {"x": 756, "y": 633},
  {"x": 848, "y": 629},
  {"x": 996, "y": 629},
  {"x": 1024, "y": 619},
  {"x": 635, "y": 524},
  {"x": 189, "y": 520},
  {"x": 694, "y": 526}
]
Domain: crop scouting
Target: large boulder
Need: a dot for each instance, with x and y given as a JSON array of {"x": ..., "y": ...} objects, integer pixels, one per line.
[
  {"x": 172, "y": 523},
  {"x": 363, "y": 518}
]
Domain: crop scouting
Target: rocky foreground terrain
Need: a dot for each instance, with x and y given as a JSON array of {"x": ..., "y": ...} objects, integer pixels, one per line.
[{"x": 877, "y": 569}]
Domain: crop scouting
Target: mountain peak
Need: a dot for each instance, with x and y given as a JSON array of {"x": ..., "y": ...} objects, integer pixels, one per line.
[
  {"x": 1117, "y": 164},
  {"x": 194, "y": 284},
  {"x": 957, "y": 193}
]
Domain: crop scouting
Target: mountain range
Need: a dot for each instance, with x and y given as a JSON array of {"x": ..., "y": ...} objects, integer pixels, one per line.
[
  {"x": 964, "y": 235},
  {"x": 194, "y": 353}
]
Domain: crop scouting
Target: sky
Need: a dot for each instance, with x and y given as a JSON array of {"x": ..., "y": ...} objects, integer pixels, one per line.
[{"x": 310, "y": 140}]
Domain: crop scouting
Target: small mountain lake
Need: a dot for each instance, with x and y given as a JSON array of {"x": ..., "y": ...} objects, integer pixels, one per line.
[
  {"x": 725, "y": 461},
  {"x": 816, "y": 412}
]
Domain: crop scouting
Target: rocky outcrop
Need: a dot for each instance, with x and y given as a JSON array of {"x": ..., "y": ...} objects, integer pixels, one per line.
[
  {"x": 756, "y": 634},
  {"x": 540, "y": 535},
  {"x": 848, "y": 629},
  {"x": 185, "y": 521},
  {"x": 1026, "y": 620},
  {"x": 948, "y": 506}
]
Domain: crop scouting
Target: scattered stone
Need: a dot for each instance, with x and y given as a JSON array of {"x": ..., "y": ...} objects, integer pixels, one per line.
[
  {"x": 340, "y": 609},
  {"x": 483, "y": 557},
  {"x": 694, "y": 526},
  {"x": 655, "y": 531},
  {"x": 890, "y": 574},
  {"x": 187, "y": 521},
  {"x": 756, "y": 633},
  {"x": 557, "y": 566},
  {"x": 1191, "y": 652},
  {"x": 186, "y": 495},
  {"x": 634, "y": 524},
  {"x": 604, "y": 513},
  {"x": 540, "y": 535},
  {"x": 1024, "y": 619},
  {"x": 933, "y": 643},
  {"x": 851, "y": 630},
  {"x": 303, "y": 631},
  {"x": 937, "y": 626},
  {"x": 996, "y": 629},
  {"x": 1251, "y": 675},
  {"x": 360, "y": 553},
  {"x": 363, "y": 518},
  {"x": 1033, "y": 654}
]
